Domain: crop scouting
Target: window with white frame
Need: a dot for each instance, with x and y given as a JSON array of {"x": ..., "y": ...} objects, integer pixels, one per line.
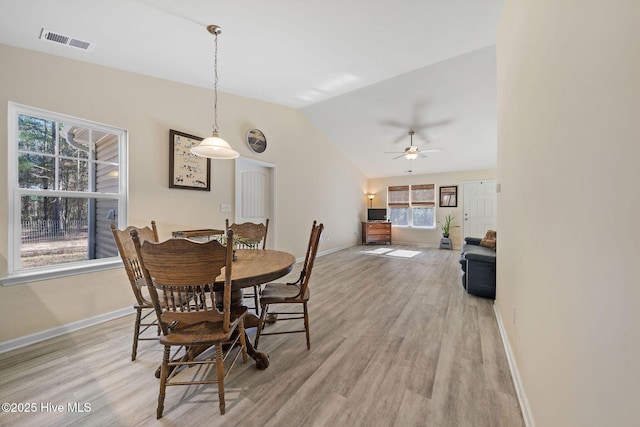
[
  {"x": 67, "y": 185},
  {"x": 412, "y": 205}
]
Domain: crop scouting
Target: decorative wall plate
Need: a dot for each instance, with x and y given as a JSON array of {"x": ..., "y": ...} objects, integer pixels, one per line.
[{"x": 256, "y": 140}]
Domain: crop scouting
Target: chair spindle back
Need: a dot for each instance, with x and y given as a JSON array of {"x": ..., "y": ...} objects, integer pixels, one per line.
[
  {"x": 185, "y": 272},
  {"x": 249, "y": 235},
  {"x": 129, "y": 257}
]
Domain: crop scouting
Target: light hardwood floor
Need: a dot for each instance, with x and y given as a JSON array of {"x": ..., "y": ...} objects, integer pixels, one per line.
[{"x": 394, "y": 342}]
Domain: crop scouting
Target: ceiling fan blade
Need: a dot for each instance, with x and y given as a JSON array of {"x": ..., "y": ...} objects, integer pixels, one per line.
[
  {"x": 394, "y": 123},
  {"x": 398, "y": 139},
  {"x": 422, "y": 136},
  {"x": 394, "y": 152},
  {"x": 438, "y": 123},
  {"x": 397, "y": 157},
  {"x": 415, "y": 123},
  {"x": 431, "y": 150}
]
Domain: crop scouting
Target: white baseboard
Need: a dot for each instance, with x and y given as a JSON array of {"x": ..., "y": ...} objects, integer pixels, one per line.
[
  {"x": 515, "y": 374},
  {"x": 19, "y": 342},
  {"x": 25, "y": 340},
  {"x": 330, "y": 251},
  {"x": 423, "y": 245}
]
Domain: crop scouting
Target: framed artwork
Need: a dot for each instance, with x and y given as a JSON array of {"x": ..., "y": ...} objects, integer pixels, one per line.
[
  {"x": 449, "y": 196},
  {"x": 186, "y": 170}
]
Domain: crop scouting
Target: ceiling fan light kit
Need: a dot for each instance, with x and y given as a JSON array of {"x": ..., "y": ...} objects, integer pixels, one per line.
[{"x": 412, "y": 152}]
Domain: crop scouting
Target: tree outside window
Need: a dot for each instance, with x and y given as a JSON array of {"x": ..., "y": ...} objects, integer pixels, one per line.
[{"x": 66, "y": 189}]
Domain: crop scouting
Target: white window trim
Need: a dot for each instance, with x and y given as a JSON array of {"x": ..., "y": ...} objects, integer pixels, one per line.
[
  {"x": 419, "y": 227},
  {"x": 425, "y": 227},
  {"x": 14, "y": 274},
  {"x": 410, "y": 213}
]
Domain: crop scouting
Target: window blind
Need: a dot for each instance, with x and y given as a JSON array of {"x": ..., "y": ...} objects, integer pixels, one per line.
[
  {"x": 423, "y": 195},
  {"x": 398, "y": 196}
]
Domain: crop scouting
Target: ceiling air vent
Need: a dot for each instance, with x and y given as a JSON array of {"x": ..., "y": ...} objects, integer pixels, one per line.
[{"x": 55, "y": 37}]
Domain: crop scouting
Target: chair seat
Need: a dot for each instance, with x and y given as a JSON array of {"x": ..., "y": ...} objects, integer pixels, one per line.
[
  {"x": 147, "y": 302},
  {"x": 129, "y": 257},
  {"x": 203, "y": 333},
  {"x": 194, "y": 316},
  {"x": 282, "y": 292},
  {"x": 142, "y": 306},
  {"x": 291, "y": 293}
]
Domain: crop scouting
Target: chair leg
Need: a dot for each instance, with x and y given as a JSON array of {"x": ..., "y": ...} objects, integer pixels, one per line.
[
  {"x": 136, "y": 333},
  {"x": 263, "y": 315},
  {"x": 306, "y": 325},
  {"x": 243, "y": 340},
  {"x": 220, "y": 368},
  {"x": 256, "y": 300},
  {"x": 164, "y": 373}
]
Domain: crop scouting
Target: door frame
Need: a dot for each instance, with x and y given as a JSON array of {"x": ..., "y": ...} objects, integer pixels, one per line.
[
  {"x": 271, "y": 235},
  {"x": 464, "y": 183}
]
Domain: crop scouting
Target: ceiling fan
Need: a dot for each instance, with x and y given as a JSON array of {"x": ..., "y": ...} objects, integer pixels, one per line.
[{"x": 412, "y": 151}]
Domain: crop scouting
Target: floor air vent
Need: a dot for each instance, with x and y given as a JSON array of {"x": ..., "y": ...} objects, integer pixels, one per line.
[{"x": 55, "y": 37}]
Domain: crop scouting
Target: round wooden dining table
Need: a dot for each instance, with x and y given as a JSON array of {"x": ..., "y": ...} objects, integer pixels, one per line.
[{"x": 253, "y": 267}]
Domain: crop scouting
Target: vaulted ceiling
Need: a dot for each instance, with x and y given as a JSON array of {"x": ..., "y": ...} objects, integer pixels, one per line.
[{"x": 364, "y": 72}]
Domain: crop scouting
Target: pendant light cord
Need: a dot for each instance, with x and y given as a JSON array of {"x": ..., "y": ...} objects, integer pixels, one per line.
[{"x": 215, "y": 85}]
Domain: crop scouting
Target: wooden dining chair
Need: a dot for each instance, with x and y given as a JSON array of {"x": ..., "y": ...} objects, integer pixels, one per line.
[
  {"x": 291, "y": 293},
  {"x": 145, "y": 316},
  {"x": 249, "y": 235},
  {"x": 180, "y": 274}
]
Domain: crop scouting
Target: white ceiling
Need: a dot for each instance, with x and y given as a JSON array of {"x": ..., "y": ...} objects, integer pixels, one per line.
[{"x": 363, "y": 71}]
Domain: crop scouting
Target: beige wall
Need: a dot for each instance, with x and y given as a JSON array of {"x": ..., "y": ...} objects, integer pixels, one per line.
[
  {"x": 378, "y": 186},
  {"x": 569, "y": 168},
  {"x": 314, "y": 181}
]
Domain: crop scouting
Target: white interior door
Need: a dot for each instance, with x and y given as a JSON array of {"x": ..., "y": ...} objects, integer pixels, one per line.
[
  {"x": 255, "y": 195},
  {"x": 479, "y": 206}
]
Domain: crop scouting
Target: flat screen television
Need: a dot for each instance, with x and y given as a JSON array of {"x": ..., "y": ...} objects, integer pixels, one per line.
[{"x": 376, "y": 214}]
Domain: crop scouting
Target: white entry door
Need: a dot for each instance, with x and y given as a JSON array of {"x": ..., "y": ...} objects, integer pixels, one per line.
[
  {"x": 255, "y": 190},
  {"x": 479, "y": 206}
]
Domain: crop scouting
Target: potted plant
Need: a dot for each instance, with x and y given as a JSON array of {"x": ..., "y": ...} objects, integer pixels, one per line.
[{"x": 447, "y": 225}]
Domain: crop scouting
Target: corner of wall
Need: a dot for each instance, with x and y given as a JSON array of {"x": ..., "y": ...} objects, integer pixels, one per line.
[{"x": 527, "y": 415}]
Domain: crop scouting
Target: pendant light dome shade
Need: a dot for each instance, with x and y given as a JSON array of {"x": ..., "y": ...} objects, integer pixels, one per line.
[{"x": 214, "y": 147}]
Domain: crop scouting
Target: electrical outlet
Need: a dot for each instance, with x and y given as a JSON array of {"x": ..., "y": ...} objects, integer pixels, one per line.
[{"x": 225, "y": 207}]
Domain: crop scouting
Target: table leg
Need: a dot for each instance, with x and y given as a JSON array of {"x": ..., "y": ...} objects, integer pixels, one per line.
[
  {"x": 271, "y": 318},
  {"x": 262, "y": 359},
  {"x": 250, "y": 321}
]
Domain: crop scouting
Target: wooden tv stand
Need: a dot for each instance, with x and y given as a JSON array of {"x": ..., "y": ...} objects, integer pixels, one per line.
[{"x": 376, "y": 232}]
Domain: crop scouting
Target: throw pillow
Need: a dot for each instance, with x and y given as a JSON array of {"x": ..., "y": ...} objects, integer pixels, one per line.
[
  {"x": 489, "y": 240},
  {"x": 488, "y": 243}
]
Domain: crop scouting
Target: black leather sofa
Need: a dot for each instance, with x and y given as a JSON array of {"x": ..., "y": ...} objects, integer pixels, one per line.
[{"x": 478, "y": 268}]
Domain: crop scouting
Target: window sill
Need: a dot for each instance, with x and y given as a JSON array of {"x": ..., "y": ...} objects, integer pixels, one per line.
[
  {"x": 413, "y": 227},
  {"x": 49, "y": 273}
]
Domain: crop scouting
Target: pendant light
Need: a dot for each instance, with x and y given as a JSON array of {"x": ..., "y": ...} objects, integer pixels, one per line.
[{"x": 215, "y": 147}]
